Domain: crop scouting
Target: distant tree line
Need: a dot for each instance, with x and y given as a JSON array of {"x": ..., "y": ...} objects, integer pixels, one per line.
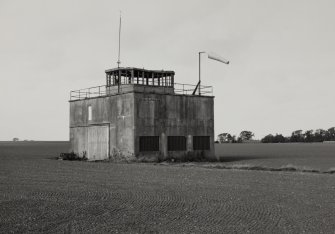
[
  {"x": 228, "y": 138},
  {"x": 278, "y": 138},
  {"x": 318, "y": 135}
]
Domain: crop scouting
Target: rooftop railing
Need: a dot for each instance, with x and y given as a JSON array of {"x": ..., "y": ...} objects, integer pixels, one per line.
[
  {"x": 188, "y": 89},
  {"x": 97, "y": 91},
  {"x": 100, "y": 91}
]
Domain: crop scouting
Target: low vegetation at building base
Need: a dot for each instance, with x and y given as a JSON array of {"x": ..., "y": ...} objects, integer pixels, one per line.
[
  {"x": 72, "y": 157},
  {"x": 118, "y": 156},
  {"x": 187, "y": 157}
]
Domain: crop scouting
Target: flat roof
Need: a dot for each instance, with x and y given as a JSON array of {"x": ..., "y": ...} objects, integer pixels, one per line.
[{"x": 138, "y": 69}]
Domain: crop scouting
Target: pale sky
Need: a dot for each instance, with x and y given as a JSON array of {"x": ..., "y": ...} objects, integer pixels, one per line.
[{"x": 281, "y": 77}]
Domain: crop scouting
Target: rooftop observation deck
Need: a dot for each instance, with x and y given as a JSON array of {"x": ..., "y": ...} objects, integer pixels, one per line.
[{"x": 130, "y": 79}]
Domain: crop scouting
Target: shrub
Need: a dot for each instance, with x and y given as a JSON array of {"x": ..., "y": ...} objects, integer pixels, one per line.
[
  {"x": 72, "y": 156},
  {"x": 187, "y": 157},
  {"x": 118, "y": 156}
]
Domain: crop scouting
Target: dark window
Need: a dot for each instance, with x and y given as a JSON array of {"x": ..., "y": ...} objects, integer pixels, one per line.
[
  {"x": 149, "y": 143},
  {"x": 176, "y": 143},
  {"x": 201, "y": 143}
]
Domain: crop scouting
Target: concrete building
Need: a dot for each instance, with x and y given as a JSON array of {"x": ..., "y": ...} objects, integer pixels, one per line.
[{"x": 142, "y": 113}]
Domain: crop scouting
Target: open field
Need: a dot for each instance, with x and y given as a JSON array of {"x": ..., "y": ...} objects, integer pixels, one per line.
[
  {"x": 40, "y": 194},
  {"x": 319, "y": 156}
]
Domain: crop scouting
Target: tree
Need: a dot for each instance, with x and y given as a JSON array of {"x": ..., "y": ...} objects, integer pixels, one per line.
[
  {"x": 267, "y": 139},
  {"x": 287, "y": 139},
  {"x": 234, "y": 139},
  {"x": 297, "y": 136},
  {"x": 278, "y": 138},
  {"x": 246, "y": 135},
  {"x": 320, "y": 135},
  {"x": 225, "y": 138},
  {"x": 330, "y": 134},
  {"x": 15, "y": 139},
  {"x": 309, "y": 136}
]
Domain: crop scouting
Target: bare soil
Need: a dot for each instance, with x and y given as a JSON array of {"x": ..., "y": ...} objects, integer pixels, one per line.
[
  {"x": 39, "y": 194},
  {"x": 318, "y": 156}
]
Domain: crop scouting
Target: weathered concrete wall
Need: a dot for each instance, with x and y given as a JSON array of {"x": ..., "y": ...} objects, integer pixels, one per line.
[
  {"x": 78, "y": 140},
  {"x": 174, "y": 115},
  {"x": 134, "y": 114},
  {"x": 139, "y": 88},
  {"x": 113, "y": 111}
]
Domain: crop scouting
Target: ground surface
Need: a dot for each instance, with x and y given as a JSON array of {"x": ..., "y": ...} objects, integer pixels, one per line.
[
  {"x": 40, "y": 194},
  {"x": 319, "y": 156}
]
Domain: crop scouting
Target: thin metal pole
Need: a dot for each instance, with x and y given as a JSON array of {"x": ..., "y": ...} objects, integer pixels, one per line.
[
  {"x": 200, "y": 71},
  {"x": 118, "y": 61},
  {"x": 119, "y": 81}
]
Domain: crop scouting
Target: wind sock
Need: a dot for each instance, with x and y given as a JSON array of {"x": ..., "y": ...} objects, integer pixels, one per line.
[{"x": 216, "y": 57}]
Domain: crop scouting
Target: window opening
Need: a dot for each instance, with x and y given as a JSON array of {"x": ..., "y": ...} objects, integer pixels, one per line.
[
  {"x": 149, "y": 143},
  {"x": 176, "y": 143},
  {"x": 201, "y": 143}
]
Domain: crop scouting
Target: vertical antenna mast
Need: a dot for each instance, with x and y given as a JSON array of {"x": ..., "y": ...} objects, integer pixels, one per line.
[{"x": 118, "y": 60}]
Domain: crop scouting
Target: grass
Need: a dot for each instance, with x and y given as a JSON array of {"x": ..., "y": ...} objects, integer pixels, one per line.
[
  {"x": 331, "y": 170},
  {"x": 287, "y": 168}
]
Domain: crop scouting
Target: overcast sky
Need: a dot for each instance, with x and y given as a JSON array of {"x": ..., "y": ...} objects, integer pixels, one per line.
[{"x": 281, "y": 77}]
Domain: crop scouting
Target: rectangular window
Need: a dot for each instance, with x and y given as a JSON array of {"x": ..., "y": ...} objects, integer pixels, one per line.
[
  {"x": 201, "y": 143},
  {"x": 176, "y": 143},
  {"x": 89, "y": 112},
  {"x": 149, "y": 143}
]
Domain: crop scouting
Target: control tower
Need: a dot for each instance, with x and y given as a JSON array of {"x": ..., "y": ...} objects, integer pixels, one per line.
[{"x": 142, "y": 113}]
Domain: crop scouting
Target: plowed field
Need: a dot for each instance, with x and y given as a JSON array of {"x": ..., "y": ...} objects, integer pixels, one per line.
[
  {"x": 318, "y": 156},
  {"x": 41, "y": 195}
]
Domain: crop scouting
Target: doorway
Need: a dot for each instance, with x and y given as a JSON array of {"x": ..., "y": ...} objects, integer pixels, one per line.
[{"x": 98, "y": 142}]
